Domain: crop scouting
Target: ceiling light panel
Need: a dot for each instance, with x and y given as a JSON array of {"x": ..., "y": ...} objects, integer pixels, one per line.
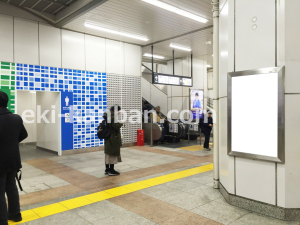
[
  {"x": 89, "y": 25},
  {"x": 176, "y": 10},
  {"x": 154, "y": 56},
  {"x": 180, "y": 47}
]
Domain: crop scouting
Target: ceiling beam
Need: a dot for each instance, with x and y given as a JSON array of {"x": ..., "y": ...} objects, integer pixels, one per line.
[
  {"x": 78, "y": 12},
  {"x": 56, "y": 2},
  {"x": 69, "y": 14}
]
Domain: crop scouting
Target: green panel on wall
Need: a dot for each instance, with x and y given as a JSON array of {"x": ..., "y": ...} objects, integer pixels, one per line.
[{"x": 7, "y": 83}]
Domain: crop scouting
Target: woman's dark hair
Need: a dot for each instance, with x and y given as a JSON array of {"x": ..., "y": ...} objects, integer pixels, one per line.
[
  {"x": 112, "y": 109},
  {"x": 197, "y": 94},
  {"x": 3, "y": 99}
]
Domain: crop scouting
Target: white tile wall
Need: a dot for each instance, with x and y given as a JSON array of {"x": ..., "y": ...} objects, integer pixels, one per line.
[
  {"x": 178, "y": 67},
  {"x": 177, "y": 91},
  {"x": 223, "y": 46},
  {"x": 146, "y": 89},
  {"x": 159, "y": 98},
  {"x": 95, "y": 53},
  {"x": 255, "y": 48},
  {"x": 199, "y": 71},
  {"x": 114, "y": 57},
  {"x": 27, "y": 101},
  {"x": 50, "y": 46},
  {"x": 231, "y": 36},
  {"x": 177, "y": 105},
  {"x": 73, "y": 52},
  {"x": 6, "y": 38},
  {"x": 169, "y": 104},
  {"x": 255, "y": 180},
  {"x": 292, "y": 46},
  {"x": 26, "y": 41},
  {"x": 133, "y": 57},
  {"x": 292, "y": 155}
]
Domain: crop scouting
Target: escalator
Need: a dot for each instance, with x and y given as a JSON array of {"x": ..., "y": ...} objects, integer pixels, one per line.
[{"x": 163, "y": 132}]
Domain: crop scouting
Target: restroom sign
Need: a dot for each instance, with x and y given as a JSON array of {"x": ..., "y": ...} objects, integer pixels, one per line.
[{"x": 67, "y": 120}]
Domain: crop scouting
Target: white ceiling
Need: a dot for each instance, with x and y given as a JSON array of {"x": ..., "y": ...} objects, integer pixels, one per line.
[{"x": 140, "y": 18}]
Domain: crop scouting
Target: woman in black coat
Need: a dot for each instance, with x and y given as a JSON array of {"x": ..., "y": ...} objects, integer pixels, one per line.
[{"x": 113, "y": 143}]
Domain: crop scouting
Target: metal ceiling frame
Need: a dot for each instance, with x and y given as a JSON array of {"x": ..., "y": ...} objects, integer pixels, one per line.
[{"x": 67, "y": 15}]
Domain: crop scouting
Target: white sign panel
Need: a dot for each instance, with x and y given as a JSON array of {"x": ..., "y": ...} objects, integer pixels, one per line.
[
  {"x": 254, "y": 114},
  {"x": 172, "y": 80}
]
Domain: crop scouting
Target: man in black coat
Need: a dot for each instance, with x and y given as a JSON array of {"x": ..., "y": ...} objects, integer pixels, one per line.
[
  {"x": 206, "y": 127},
  {"x": 12, "y": 132}
]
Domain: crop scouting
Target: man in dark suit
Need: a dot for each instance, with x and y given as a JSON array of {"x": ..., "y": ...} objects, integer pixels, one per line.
[
  {"x": 12, "y": 132},
  {"x": 206, "y": 127}
]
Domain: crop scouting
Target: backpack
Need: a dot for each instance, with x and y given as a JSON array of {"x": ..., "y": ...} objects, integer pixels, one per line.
[{"x": 103, "y": 130}]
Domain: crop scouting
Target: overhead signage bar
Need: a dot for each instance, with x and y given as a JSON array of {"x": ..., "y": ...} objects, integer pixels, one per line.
[{"x": 167, "y": 79}]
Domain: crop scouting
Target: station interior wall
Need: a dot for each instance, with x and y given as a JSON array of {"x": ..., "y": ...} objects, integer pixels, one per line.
[
  {"x": 49, "y": 134},
  {"x": 28, "y": 40},
  {"x": 27, "y": 101},
  {"x": 273, "y": 43},
  {"x": 45, "y": 135}
]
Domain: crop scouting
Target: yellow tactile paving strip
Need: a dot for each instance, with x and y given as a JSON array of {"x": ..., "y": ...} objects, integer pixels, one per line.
[
  {"x": 70, "y": 204},
  {"x": 194, "y": 148}
]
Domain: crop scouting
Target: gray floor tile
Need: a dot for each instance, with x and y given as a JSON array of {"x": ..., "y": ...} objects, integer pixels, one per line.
[
  {"x": 186, "y": 201},
  {"x": 99, "y": 211},
  {"x": 205, "y": 192},
  {"x": 255, "y": 219},
  {"x": 221, "y": 213},
  {"x": 62, "y": 218},
  {"x": 125, "y": 218},
  {"x": 160, "y": 192},
  {"x": 182, "y": 185},
  {"x": 200, "y": 178}
]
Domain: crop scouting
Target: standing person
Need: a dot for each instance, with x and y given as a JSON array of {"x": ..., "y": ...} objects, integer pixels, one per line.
[
  {"x": 206, "y": 127},
  {"x": 159, "y": 116},
  {"x": 12, "y": 132},
  {"x": 113, "y": 143}
]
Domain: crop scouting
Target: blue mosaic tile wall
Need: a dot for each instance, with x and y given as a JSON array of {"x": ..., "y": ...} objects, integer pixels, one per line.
[{"x": 89, "y": 96}]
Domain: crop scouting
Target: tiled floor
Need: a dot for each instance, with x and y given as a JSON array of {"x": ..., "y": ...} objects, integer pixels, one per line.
[{"x": 49, "y": 179}]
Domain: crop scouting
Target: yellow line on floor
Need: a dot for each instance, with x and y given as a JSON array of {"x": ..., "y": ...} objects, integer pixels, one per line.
[
  {"x": 52, "y": 209},
  {"x": 192, "y": 148}
]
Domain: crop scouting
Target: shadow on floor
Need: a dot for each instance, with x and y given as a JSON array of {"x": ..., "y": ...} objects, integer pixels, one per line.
[{"x": 30, "y": 152}]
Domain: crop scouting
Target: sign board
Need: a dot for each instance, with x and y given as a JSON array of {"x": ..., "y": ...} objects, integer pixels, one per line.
[
  {"x": 173, "y": 128},
  {"x": 196, "y": 102},
  {"x": 167, "y": 79},
  {"x": 256, "y": 114}
]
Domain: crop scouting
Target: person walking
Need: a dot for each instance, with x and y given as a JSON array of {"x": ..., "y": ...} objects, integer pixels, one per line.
[
  {"x": 112, "y": 146},
  {"x": 206, "y": 127},
  {"x": 12, "y": 132}
]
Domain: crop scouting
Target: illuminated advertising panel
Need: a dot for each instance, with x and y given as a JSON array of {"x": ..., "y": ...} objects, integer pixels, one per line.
[{"x": 256, "y": 114}]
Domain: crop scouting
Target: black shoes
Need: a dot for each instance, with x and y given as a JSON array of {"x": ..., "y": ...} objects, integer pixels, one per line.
[
  {"x": 16, "y": 218},
  {"x": 113, "y": 173},
  {"x": 208, "y": 149},
  {"x": 106, "y": 172}
]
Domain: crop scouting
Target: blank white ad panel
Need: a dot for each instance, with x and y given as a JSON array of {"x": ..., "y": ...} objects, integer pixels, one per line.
[{"x": 254, "y": 114}]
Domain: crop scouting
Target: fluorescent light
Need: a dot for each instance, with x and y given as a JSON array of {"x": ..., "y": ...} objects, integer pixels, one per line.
[
  {"x": 208, "y": 65},
  {"x": 154, "y": 56},
  {"x": 33, "y": 92},
  {"x": 115, "y": 32},
  {"x": 176, "y": 10},
  {"x": 180, "y": 47}
]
